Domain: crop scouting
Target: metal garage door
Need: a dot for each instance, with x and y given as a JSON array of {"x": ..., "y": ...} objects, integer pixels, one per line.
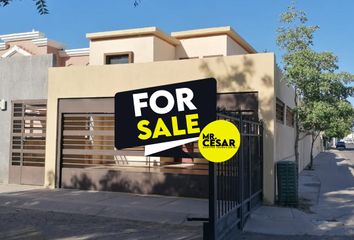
[
  {"x": 28, "y": 134},
  {"x": 88, "y": 159}
]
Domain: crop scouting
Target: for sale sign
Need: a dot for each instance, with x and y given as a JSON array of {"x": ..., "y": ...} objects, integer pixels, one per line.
[{"x": 164, "y": 117}]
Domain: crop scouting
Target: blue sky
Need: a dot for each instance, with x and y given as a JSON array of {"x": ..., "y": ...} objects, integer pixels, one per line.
[{"x": 255, "y": 20}]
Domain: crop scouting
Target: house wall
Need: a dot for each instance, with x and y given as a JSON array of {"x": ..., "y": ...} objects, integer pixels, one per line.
[
  {"x": 285, "y": 135},
  {"x": 20, "y": 78},
  {"x": 142, "y": 47},
  {"x": 26, "y": 45},
  {"x": 74, "y": 61},
  {"x": 305, "y": 150},
  {"x": 234, "y": 74},
  {"x": 202, "y": 46},
  {"x": 152, "y": 48},
  {"x": 233, "y": 48},
  {"x": 163, "y": 50}
]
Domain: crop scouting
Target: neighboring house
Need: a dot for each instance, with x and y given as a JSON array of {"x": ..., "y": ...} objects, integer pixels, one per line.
[
  {"x": 24, "y": 62},
  {"x": 76, "y": 126}
]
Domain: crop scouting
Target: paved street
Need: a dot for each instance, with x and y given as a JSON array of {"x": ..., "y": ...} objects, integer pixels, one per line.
[
  {"x": 36, "y": 224},
  {"x": 35, "y": 213}
]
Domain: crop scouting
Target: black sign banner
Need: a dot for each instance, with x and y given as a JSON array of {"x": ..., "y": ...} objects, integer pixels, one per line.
[{"x": 164, "y": 113}]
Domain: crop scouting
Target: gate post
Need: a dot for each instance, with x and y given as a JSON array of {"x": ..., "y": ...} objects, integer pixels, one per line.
[
  {"x": 241, "y": 173},
  {"x": 210, "y": 227}
]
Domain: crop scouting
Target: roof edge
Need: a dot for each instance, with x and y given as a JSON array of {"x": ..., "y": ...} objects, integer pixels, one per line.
[
  {"x": 130, "y": 33},
  {"x": 21, "y": 36},
  {"x": 227, "y": 30},
  {"x": 74, "y": 52},
  {"x": 47, "y": 42}
]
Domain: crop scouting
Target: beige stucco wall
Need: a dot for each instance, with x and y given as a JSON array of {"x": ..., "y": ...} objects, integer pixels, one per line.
[
  {"x": 74, "y": 61},
  {"x": 234, "y": 74},
  {"x": 163, "y": 50},
  {"x": 152, "y": 48},
  {"x": 26, "y": 45},
  {"x": 142, "y": 47},
  {"x": 202, "y": 46},
  {"x": 305, "y": 150},
  {"x": 233, "y": 48},
  {"x": 208, "y": 46},
  {"x": 285, "y": 135}
]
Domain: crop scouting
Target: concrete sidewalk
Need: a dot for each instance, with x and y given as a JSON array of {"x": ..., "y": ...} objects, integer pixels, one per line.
[
  {"x": 326, "y": 202},
  {"x": 158, "y": 209}
]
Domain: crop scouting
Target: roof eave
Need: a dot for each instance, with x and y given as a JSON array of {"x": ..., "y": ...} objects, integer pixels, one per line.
[
  {"x": 214, "y": 32},
  {"x": 131, "y": 33}
]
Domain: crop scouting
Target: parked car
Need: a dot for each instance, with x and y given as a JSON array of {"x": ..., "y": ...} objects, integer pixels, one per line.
[{"x": 340, "y": 145}]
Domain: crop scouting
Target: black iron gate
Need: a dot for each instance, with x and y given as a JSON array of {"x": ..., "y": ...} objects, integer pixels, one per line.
[{"x": 235, "y": 186}]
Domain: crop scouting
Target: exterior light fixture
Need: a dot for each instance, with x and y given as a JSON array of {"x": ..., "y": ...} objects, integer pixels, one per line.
[{"x": 3, "y": 105}]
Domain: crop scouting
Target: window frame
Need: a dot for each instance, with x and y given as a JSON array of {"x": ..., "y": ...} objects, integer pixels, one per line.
[
  {"x": 280, "y": 102},
  {"x": 186, "y": 58},
  {"x": 212, "y": 56},
  {"x": 129, "y": 54},
  {"x": 290, "y": 112}
]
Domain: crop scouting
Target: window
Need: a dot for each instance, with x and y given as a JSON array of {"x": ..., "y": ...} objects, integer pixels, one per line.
[
  {"x": 245, "y": 103},
  {"x": 211, "y": 56},
  {"x": 185, "y": 58},
  {"x": 119, "y": 58},
  {"x": 280, "y": 111},
  {"x": 290, "y": 117}
]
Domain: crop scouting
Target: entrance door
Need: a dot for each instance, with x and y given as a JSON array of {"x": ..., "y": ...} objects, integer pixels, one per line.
[{"x": 28, "y": 134}]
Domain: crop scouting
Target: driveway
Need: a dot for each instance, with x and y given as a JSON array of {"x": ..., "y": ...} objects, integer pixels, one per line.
[
  {"x": 36, "y": 213},
  {"x": 19, "y": 223}
]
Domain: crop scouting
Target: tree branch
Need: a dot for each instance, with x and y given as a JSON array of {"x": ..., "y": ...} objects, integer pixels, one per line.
[{"x": 303, "y": 137}]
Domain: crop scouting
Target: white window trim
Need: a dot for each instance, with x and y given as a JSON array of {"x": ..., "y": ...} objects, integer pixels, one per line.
[{"x": 15, "y": 49}]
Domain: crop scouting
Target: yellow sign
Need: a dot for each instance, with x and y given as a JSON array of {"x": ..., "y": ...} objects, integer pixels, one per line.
[{"x": 219, "y": 141}]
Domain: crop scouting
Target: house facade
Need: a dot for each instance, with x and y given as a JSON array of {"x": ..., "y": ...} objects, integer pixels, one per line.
[{"x": 66, "y": 139}]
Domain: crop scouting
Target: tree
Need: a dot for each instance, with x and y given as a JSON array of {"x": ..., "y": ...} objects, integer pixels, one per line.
[
  {"x": 333, "y": 119},
  {"x": 320, "y": 91},
  {"x": 42, "y": 8},
  {"x": 342, "y": 121}
]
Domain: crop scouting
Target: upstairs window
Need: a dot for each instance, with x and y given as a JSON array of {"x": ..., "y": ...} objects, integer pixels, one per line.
[
  {"x": 119, "y": 58},
  {"x": 280, "y": 111},
  {"x": 290, "y": 117}
]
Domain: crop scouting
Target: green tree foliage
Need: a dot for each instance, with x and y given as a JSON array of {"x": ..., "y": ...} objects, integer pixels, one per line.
[
  {"x": 321, "y": 91},
  {"x": 341, "y": 120},
  {"x": 41, "y": 5}
]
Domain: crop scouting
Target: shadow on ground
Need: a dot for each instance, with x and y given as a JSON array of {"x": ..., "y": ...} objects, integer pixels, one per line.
[{"x": 32, "y": 224}]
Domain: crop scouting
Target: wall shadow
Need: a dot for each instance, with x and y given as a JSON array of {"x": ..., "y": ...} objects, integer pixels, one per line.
[{"x": 181, "y": 185}]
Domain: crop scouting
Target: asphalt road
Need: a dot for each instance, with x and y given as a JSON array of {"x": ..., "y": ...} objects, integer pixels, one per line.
[
  {"x": 348, "y": 153},
  {"x": 34, "y": 224},
  {"x": 30, "y": 224}
]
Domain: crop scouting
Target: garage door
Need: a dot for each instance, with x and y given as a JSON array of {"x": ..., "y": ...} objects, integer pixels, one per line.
[
  {"x": 87, "y": 158},
  {"x": 28, "y": 134}
]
